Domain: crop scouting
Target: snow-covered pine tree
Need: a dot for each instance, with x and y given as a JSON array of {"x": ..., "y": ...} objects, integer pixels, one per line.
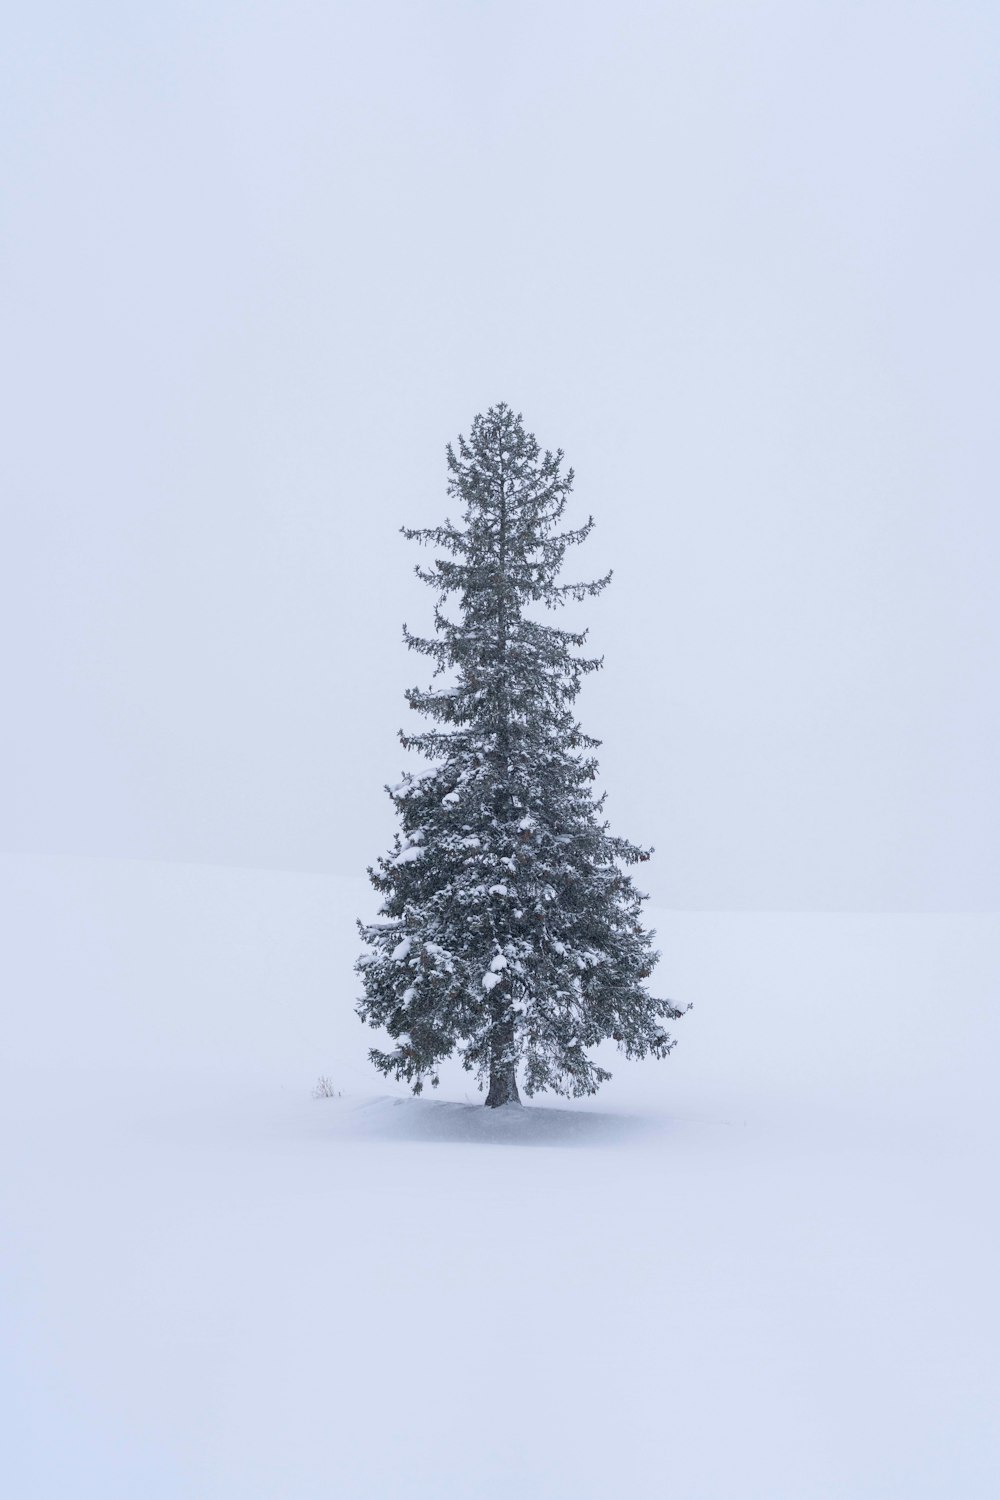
[{"x": 510, "y": 933}]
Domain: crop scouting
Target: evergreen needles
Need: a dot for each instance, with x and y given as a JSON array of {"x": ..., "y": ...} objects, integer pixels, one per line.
[{"x": 510, "y": 933}]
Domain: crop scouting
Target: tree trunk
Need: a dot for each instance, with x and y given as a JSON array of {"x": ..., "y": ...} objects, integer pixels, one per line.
[
  {"x": 503, "y": 1064},
  {"x": 503, "y": 1068}
]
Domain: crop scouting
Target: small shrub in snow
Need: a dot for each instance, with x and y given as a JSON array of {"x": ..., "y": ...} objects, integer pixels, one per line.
[{"x": 324, "y": 1088}]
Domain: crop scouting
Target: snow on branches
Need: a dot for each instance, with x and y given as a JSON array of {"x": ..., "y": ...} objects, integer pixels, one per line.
[{"x": 510, "y": 933}]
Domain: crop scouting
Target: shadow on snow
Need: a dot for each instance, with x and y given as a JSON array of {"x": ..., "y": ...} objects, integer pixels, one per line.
[{"x": 512, "y": 1125}]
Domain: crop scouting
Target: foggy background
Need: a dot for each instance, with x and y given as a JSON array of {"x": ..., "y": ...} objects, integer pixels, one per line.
[{"x": 262, "y": 261}]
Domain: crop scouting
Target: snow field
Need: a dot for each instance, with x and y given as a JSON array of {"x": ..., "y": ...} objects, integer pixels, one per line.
[{"x": 762, "y": 1268}]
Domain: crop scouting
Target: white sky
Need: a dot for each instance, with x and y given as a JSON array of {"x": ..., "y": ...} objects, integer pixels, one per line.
[{"x": 261, "y": 261}]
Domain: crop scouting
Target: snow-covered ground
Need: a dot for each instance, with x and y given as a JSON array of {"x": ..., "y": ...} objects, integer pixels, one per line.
[{"x": 764, "y": 1268}]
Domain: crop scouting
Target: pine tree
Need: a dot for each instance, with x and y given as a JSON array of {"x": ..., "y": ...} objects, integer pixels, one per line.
[{"x": 509, "y": 931}]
